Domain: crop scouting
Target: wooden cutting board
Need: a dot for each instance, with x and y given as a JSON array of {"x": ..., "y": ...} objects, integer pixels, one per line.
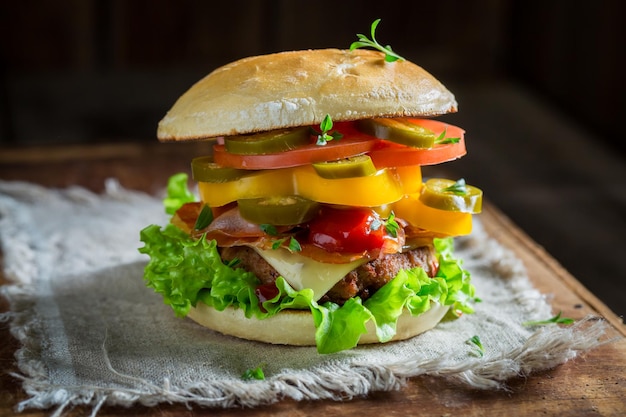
[{"x": 593, "y": 384}]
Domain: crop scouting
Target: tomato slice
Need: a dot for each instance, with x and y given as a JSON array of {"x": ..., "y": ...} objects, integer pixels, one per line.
[
  {"x": 352, "y": 144},
  {"x": 388, "y": 154},
  {"x": 383, "y": 153}
]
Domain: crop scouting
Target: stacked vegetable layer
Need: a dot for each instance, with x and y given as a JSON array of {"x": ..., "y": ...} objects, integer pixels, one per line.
[{"x": 334, "y": 195}]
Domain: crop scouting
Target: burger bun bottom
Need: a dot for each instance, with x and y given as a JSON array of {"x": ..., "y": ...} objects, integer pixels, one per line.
[{"x": 296, "y": 327}]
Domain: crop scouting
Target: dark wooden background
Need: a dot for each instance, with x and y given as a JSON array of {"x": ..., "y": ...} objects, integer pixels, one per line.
[
  {"x": 81, "y": 70},
  {"x": 539, "y": 85}
]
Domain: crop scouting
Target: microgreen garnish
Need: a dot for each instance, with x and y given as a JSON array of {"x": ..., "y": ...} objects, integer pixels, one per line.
[
  {"x": 254, "y": 373},
  {"x": 443, "y": 140},
  {"x": 204, "y": 218},
  {"x": 364, "y": 42},
  {"x": 475, "y": 341},
  {"x": 458, "y": 188},
  {"x": 233, "y": 262},
  {"x": 270, "y": 229},
  {"x": 324, "y": 136},
  {"x": 391, "y": 225},
  {"x": 293, "y": 246},
  {"x": 554, "y": 320}
]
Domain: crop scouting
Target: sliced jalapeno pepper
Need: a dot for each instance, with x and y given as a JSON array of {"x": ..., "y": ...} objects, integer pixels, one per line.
[
  {"x": 356, "y": 166},
  {"x": 399, "y": 130},
  {"x": 204, "y": 169},
  {"x": 444, "y": 194},
  {"x": 278, "y": 211},
  {"x": 273, "y": 141}
]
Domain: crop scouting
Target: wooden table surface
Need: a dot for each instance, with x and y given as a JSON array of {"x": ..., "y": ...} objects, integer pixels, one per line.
[{"x": 593, "y": 384}]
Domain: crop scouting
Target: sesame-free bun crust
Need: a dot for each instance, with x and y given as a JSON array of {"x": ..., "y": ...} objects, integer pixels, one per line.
[
  {"x": 296, "y": 328},
  {"x": 299, "y": 88}
]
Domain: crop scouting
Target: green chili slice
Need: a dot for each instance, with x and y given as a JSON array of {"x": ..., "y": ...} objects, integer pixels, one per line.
[
  {"x": 399, "y": 130},
  {"x": 278, "y": 211},
  {"x": 449, "y": 195},
  {"x": 356, "y": 166},
  {"x": 203, "y": 169},
  {"x": 273, "y": 141}
]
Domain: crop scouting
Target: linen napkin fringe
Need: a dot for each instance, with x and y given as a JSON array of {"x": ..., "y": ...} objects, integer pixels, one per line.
[{"x": 544, "y": 349}]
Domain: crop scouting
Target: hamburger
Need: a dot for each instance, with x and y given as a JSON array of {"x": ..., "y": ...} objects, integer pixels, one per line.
[{"x": 312, "y": 224}]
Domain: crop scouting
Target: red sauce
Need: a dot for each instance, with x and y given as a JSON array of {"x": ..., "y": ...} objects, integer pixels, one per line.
[
  {"x": 350, "y": 230},
  {"x": 265, "y": 292}
]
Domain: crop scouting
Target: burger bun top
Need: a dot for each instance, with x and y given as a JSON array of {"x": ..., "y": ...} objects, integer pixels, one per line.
[{"x": 298, "y": 88}]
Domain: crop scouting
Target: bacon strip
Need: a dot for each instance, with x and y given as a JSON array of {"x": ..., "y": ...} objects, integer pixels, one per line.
[{"x": 230, "y": 229}]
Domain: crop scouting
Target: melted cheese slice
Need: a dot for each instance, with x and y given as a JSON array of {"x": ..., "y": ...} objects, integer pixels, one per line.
[{"x": 302, "y": 272}]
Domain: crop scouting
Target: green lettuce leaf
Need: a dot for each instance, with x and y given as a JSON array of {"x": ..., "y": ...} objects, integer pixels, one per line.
[
  {"x": 185, "y": 271},
  {"x": 177, "y": 193}
]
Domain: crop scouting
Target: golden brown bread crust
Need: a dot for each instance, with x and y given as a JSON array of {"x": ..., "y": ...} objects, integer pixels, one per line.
[
  {"x": 295, "y": 327},
  {"x": 299, "y": 88}
]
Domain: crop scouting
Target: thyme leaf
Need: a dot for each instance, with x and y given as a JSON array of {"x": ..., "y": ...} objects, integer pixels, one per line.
[
  {"x": 204, "y": 218},
  {"x": 270, "y": 229},
  {"x": 293, "y": 246},
  {"x": 443, "y": 140},
  {"x": 391, "y": 225},
  {"x": 254, "y": 373},
  {"x": 458, "y": 188},
  {"x": 554, "y": 320},
  {"x": 364, "y": 42},
  {"x": 323, "y": 137},
  {"x": 475, "y": 341}
]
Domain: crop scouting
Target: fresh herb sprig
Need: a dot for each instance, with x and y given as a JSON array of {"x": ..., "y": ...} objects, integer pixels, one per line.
[
  {"x": 294, "y": 245},
  {"x": 254, "y": 373},
  {"x": 458, "y": 188},
  {"x": 204, "y": 218},
  {"x": 325, "y": 135},
  {"x": 270, "y": 229},
  {"x": 364, "y": 42},
  {"x": 232, "y": 263},
  {"x": 553, "y": 320},
  {"x": 475, "y": 341},
  {"x": 443, "y": 140},
  {"x": 391, "y": 225}
]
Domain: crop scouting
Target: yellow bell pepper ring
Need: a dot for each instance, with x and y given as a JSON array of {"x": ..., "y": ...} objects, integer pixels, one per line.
[
  {"x": 451, "y": 223},
  {"x": 263, "y": 183},
  {"x": 411, "y": 178},
  {"x": 383, "y": 187}
]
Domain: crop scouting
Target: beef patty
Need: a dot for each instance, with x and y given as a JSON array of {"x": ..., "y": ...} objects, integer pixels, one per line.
[{"x": 362, "y": 281}]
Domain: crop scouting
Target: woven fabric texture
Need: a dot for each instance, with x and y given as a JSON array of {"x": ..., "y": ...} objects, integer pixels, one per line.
[{"x": 92, "y": 333}]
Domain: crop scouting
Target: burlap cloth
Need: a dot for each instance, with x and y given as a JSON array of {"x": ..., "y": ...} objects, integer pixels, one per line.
[{"x": 92, "y": 333}]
